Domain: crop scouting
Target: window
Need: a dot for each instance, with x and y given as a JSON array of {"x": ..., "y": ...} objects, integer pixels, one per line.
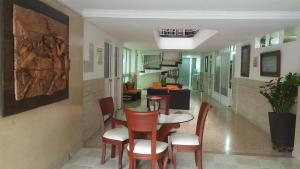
[
  {"x": 290, "y": 34},
  {"x": 275, "y": 38},
  {"x": 126, "y": 64}
]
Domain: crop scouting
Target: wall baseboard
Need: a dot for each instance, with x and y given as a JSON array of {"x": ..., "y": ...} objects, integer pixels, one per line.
[
  {"x": 69, "y": 155},
  {"x": 296, "y": 155}
]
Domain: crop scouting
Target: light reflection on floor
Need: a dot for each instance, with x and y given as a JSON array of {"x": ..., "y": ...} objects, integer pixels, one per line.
[{"x": 89, "y": 158}]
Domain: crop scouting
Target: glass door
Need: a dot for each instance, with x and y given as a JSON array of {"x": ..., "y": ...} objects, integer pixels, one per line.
[
  {"x": 109, "y": 89},
  {"x": 184, "y": 72},
  {"x": 222, "y": 70}
]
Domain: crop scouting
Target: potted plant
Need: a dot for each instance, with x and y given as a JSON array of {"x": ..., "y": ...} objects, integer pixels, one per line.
[
  {"x": 163, "y": 80},
  {"x": 281, "y": 94}
]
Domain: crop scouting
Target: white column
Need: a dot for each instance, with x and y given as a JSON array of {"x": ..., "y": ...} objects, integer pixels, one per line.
[{"x": 296, "y": 152}]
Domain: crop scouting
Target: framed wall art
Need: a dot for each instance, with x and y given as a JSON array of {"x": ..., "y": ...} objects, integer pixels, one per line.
[
  {"x": 35, "y": 55},
  {"x": 270, "y": 63},
  {"x": 99, "y": 55},
  {"x": 89, "y": 63},
  {"x": 245, "y": 60}
]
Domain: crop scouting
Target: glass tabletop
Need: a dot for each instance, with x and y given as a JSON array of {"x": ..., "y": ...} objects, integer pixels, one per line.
[{"x": 177, "y": 117}]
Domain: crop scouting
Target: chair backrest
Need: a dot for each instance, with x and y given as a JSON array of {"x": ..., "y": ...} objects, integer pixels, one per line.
[
  {"x": 141, "y": 122},
  {"x": 204, "y": 109},
  {"x": 164, "y": 103},
  {"x": 106, "y": 106},
  {"x": 153, "y": 91},
  {"x": 124, "y": 87}
]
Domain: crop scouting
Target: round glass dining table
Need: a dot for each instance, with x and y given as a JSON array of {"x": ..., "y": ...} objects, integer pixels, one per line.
[{"x": 167, "y": 122}]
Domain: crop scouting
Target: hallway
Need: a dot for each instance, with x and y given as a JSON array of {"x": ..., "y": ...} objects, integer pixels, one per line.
[{"x": 225, "y": 132}]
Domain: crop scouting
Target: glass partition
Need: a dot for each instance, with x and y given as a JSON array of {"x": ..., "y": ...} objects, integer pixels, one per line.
[{"x": 221, "y": 75}]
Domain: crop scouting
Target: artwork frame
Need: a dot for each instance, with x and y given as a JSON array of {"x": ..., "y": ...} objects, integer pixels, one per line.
[
  {"x": 245, "y": 60},
  {"x": 89, "y": 63},
  {"x": 270, "y": 63},
  {"x": 59, "y": 89}
]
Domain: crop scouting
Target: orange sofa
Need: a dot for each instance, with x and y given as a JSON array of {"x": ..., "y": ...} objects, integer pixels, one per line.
[
  {"x": 157, "y": 85},
  {"x": 130, "y": 93}
]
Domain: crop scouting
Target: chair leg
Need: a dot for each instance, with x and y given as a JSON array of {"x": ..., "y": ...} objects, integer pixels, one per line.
[
  {"x": 166, "y": 161},
  {"x": 103, "y": 153},
  {"x": 174, "y": 150},
  {"x": 134, "y": 163},
  {"x": 113, "y": 151},
  {"x": 160, "y": 163},
  {"x": 199, "y": 158},
  {"x": 120, "y": 152},
  {"x": 130, "y": 162},
  {"x": 153, "y": 164},
  {"x": 196, "y": 157}
]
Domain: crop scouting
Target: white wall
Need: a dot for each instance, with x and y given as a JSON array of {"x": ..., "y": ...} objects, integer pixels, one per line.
[
  {"x": 290, "y": 58},
  {"x": 146, "y": 81},
  {"x": 296, "y": 152},
  {"x": 171, "y": 55},
  {"x": 43, "y": 137},
  {"x": 95, "y": 86},
  {"x": 247, "y": 100},
  {"x": 93, "y": 34}
]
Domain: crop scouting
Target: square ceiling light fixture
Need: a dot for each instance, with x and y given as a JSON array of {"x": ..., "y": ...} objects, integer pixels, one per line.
[{"x": 184, "y": 39}]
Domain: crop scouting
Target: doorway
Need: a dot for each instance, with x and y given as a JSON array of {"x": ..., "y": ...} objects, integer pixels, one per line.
[
  {"x": 108, "y": 78},
  {"x": 189, "y": 72},
  {"x": 221, "y": 75}
]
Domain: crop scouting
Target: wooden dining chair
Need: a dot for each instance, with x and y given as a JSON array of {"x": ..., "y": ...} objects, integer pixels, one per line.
[
  {"x": 142, "y": 149},
  {"x": 114, "y": 136},
  {"x": 191, "y": 142}
]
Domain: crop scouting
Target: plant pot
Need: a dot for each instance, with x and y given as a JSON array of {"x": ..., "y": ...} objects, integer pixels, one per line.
[{"x": 282, "y": 128}]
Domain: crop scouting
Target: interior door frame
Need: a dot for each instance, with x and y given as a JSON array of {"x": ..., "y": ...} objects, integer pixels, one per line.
[
  {"x": 108, "y": 89},
  {"x": 225, "y": 100},
  {"x": 117, "y": 77}
]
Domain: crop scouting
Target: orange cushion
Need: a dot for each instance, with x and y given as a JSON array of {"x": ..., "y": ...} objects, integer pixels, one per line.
[
  {"x": 172, "y": 87},
  {"x": 175, "y": 89},
  {"x": 133, "y": 91},
  {"x": 156, "y": 85}
]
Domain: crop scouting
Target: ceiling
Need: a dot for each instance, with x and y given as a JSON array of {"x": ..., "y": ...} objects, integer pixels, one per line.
[
  {"x": 245, "y": 5},
  {"x": 133, "y": 21}
]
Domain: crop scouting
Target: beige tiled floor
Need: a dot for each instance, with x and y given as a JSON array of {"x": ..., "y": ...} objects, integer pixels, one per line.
[
  {"x": 230, "y": 142},
  {"x": 225, "y": 132},
  {"x": 89, "y": 158}
]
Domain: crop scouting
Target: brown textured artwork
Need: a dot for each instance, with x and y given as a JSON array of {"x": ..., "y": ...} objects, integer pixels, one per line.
[{"x": 41, "y": 62}]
